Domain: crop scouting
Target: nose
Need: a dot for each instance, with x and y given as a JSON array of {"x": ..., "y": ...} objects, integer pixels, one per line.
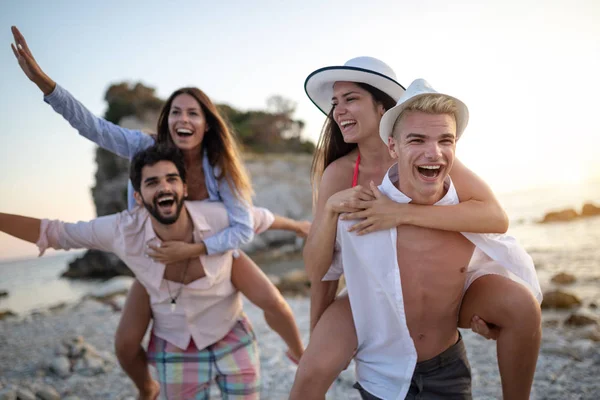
[
  {"x": 433, "y": 152},
  {"x": 340, "y": 109}
]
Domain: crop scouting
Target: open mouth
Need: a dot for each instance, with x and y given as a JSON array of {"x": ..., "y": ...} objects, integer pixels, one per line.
[
  {"x": 429, "y": 171},
  {"x": 347, "y": 125},
  {"x": 165, "y": 202},
  {"x": 182, "y": 132}
]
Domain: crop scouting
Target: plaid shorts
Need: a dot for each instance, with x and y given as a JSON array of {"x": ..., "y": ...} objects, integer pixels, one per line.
[{"x": 233, "y": 363}]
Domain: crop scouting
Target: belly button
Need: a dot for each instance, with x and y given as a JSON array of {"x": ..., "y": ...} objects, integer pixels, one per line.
[
  {"x": 421, "y": 336},
  {"x": 463, "y": 269}
]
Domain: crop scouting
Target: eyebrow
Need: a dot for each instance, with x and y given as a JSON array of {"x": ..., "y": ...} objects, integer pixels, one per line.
[
  {"x": 345, "y": 94},
  {"x": 189, "y": 108},
  {"x": 421, "y": 136},
  {"x": 155, "y": 178}
]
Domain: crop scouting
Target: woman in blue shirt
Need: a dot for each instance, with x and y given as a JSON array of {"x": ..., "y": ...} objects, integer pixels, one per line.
[{"x": 190, "y": 121}]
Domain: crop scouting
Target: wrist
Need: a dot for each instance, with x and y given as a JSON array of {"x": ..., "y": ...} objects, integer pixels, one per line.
[{"x": 46, "y": 85}]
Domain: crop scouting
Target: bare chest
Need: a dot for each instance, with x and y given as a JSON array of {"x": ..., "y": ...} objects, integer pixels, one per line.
[
  {"x": 185, "y": 271},
  {"x": 426, "y": 256}
]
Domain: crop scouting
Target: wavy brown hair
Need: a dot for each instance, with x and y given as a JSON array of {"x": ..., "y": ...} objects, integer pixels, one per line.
[
  {"x": 219, "y": 141},
  {"x": 331, "y": 144}
]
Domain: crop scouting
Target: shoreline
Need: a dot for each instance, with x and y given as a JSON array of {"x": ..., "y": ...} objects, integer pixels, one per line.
[{"x": 566, "y": 369}]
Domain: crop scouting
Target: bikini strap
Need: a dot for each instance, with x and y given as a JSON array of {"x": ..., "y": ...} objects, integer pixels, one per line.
[{"x": 355, "y": 177}]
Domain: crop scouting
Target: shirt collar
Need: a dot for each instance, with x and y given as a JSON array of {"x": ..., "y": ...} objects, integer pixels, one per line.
[{"x": 389, "y": 188}]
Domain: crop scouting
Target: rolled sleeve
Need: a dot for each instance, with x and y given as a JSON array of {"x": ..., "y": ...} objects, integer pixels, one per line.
[
  {"x": 263, "y": 219},
  {"x": 241, "y": 222}
]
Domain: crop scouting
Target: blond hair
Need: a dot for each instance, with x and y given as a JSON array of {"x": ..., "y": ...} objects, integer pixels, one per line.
[{"x": 430, "y": 104}]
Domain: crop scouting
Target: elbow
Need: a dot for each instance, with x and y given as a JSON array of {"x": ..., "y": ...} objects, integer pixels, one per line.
[
  {"x": 246, "y": 234},
  {"x": 501, "y": 221}
]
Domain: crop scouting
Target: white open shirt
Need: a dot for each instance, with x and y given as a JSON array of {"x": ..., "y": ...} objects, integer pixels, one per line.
[{"x": 386, "y": 355}]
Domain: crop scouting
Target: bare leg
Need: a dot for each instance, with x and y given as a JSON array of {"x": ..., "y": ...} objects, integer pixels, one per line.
[
  {"x": 331, "y": 347},
  {"x": 249, "y": 279},
  {"x": 517, "y": 316},
  {"x": 130, "y": 333}
]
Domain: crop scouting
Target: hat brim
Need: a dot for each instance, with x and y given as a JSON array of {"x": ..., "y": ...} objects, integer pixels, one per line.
[
  {"x": 389, "y": 118},
  {"x": 319, "y": 84}
]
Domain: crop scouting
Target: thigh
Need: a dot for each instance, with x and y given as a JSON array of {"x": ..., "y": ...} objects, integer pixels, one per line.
[
  {"x": 182, "y": 374},
  {"x": 136, "y": 315},
  {"x": 237, "y": 363},
  {"x": 496, "y": 299},
  {"x": 252, "y": 282},
  {"x": 333, "y": 341}
]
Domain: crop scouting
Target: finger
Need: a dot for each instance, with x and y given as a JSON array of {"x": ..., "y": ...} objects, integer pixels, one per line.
[
  {"x": 376, "y": 193},
  {"x": 15, "y": 52},
  {"x": 360, "y": 226},
  {"x": 358, "y": 204},
  {"x": 20, "y": 39},
  {"x": 355, "y": 215}
]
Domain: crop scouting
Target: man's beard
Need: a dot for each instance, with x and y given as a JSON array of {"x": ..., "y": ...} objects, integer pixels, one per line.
[{"x": 154, "y": 210}]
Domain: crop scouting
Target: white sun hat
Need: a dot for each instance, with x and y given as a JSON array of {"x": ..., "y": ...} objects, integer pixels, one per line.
[
  {"x": 420, "y": 88},
  {"x": 369, "y": 70}
]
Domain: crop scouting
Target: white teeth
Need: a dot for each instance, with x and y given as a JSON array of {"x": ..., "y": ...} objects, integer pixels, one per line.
[
  {"x": 166, "y": 198},
  {"x": 429, "y": 166},
  {"x": 184, "y": 131},
  {"x": 346, "y": 123}
]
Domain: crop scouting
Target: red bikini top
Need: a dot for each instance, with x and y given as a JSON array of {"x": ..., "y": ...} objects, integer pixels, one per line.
[{"x": 355, "y": 177}]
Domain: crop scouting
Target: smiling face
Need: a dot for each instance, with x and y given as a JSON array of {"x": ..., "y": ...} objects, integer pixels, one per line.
[
  {"x": 355, "y": 111},
  {"x": 187, "y": 122},
  {"x": 424, "y": 145},
  {"x": 162, "y": 191}
]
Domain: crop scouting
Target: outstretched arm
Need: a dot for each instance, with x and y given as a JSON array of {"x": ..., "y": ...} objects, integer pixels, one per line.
[
  {"x": 97, "y": 234},
  {"x": 478, "y": 211},
  {"x": 24, "y": 228},
  {"x": 124, "y": 142}
]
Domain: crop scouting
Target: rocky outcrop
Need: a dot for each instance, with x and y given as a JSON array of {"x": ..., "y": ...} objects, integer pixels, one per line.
[
  {"x": 560, "y": 216},
  {"x": 590, "y": 210}
]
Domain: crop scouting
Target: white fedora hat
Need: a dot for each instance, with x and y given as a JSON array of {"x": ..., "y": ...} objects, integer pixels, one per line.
[
  {"x": 420, "y": 88},
  {"x": 369, "y": 70}
]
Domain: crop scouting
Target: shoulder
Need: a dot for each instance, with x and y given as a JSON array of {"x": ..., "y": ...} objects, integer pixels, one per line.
[
  {"x": 339, "y": 173},
  {"x": 212, "y": 213}
]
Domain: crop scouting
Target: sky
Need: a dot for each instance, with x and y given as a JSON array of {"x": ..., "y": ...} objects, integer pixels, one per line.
[{"x": 527, "y": 70}]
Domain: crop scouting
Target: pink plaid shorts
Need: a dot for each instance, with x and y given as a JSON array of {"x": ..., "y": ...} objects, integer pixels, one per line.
[{"x": 233, "y": 363}]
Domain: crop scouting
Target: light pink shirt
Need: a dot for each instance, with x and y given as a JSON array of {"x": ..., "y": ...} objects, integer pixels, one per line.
[{"x": 207, "y": 308}]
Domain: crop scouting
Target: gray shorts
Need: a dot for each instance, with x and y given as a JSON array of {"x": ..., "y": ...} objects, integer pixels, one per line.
[{"x": 446, "y": 376}]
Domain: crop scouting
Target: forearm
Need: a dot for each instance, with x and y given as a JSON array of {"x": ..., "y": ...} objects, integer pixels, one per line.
[
  {"x": 284, "y": 223},
  {"x": 318, "y": 250},
  {"x": 469, "y": 216},
  {"x": 45, "y": 83},
  {"x": 322, "y": 294},
  {"x": 24, "y": 228}
]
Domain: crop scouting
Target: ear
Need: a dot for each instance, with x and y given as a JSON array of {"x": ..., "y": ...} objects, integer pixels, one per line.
[
  {"x": 185, "y": 191},
  {"x": 392, "y": 148},
  {"x": 380, "y": 109},
  {"x": 138, "y": 198}
]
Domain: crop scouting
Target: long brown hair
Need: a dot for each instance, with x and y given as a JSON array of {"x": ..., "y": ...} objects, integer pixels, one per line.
[
  {"x": 331, "y": 144},
  {"x": 219, "y": 141}
]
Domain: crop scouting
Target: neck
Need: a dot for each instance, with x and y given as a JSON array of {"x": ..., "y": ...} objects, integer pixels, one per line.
[
  {"x": 191, "y": 157},
  {"x": 373, "y": 151},
  {"x": 177, "y": 231}
]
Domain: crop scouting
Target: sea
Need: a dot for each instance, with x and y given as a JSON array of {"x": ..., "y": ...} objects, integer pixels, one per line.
[{"x": 572, "y": 247}]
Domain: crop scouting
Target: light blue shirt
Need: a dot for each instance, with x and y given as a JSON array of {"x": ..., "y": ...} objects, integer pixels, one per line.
[{"x": 127, "y": 142}]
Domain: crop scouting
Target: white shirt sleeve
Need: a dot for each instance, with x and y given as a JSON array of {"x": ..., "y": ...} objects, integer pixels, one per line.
[{"x": 263, "y": 219}]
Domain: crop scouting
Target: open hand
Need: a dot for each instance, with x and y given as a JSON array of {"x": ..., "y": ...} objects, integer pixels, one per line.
[
  {"x": 28, "y": 64},
  {"x": 378, "y": 214},
  {"x": 172, "y": 252}
]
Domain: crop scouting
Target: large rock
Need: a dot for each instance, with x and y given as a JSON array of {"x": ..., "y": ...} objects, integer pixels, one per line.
[
  {"x": 590, "y": 210},
  {"x": 97, "y": 264},
  {"x": 559, "y": 299},
  {"x": 563, "y": 278},
  {"x": 560, "y": 216},
  {"x": 6, "y": 314},
  {"x": 294, "y": 282}
]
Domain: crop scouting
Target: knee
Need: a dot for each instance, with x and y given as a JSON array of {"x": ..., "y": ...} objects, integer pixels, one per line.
[
  {"x": 274, "y": 303},
  {"x": 521, "y": 309}
]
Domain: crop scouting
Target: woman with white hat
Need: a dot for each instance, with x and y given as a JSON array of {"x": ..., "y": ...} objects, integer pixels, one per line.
[{"x": 350, "y": 160}]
